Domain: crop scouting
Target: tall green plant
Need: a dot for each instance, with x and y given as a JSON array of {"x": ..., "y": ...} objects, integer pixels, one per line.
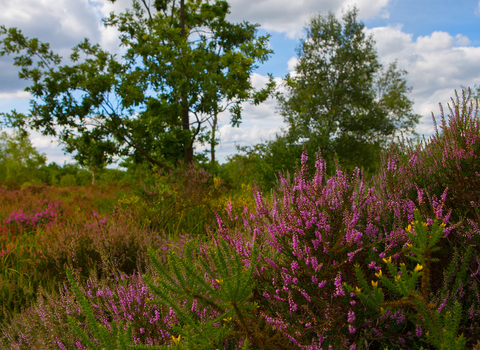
[
  {"x": 222, "y": 284},
  {"x": 409, "y": 289}
]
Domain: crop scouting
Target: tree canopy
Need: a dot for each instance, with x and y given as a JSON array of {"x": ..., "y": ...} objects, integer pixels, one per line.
[
  {"x": 183, "y": 64},
  {"x": 340, "y": 99}
]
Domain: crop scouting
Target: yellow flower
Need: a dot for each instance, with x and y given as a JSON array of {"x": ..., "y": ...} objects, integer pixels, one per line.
[
  {"x": 256, "y": 305},
  {"x": 375, "y": 284},
  {"x": 402, "y": 264},
  {"x": 379, "y": 274},
  {"x": 219, "y": 281},
  {"x": 382, "y": 310},
  {"x": 176, "y": 340},
  {"x": 409, "y": 228},
  {"x": 387, "y": 261},
  {"x": 418, "y": 268},
  {"x": 227, "y": 319},
  {"x": 158, "y": 279},
  {"x": 397, "y": 278},
  {"x": 358, "y": 290},
  {"x": 442, "y": 225}
]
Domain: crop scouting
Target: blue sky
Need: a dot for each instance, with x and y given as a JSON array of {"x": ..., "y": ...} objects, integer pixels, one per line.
[{"x": 437, "y": 42}]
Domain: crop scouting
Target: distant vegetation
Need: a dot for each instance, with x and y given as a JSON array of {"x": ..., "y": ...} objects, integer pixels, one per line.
[
  {"x": 190, "y": 260},
  {"x": 334, "y": 235}
]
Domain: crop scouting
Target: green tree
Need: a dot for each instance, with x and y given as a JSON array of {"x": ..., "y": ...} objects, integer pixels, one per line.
[
  {"x": 19, "y": 160},
  {"x": 184, "y": 63},
  {"x": 340, "y": 99}
]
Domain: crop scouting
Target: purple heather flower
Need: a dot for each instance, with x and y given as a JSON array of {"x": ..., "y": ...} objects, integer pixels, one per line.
[
  {"x": 418, "y": 331},
  {"x": 351, "y": 329},
  {"x": 351, "y": 316}
]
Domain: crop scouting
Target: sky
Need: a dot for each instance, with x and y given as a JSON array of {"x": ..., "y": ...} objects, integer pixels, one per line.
[{"x": 436, "y": 41}]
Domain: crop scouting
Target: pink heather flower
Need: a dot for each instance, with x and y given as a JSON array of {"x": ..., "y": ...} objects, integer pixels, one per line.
[
  {"x": 353, "y": 347},
  {"x": 322, "y": 284},
  {"x": 418, "y": 331},
  {"x": 351, "y": 329},
  {"x": 291, "y": 303},
  {"x": 351, "y": 316},
  {"x": 338, "y": 285},
  {"x": 314, "y": 279},
  {"x": 294, "y": 266}
]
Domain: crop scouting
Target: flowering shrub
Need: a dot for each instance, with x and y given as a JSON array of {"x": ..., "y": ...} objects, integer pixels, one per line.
[
  {"x": 23, "y": 222},
  {"x": 324, "y": 262}
]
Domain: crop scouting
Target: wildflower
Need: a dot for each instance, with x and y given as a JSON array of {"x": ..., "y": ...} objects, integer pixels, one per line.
[
  {"x": 358, "y": 290},
  {"x": 418, "y": 268},
  {"x": 409, "y": 228},
  {"x": 374, "y": 284},
  {"x": 219, "y": 281},
  {"x": 228, "y": 319},
  {"x": 379, "y": 274},
  {"x": 176, "y": 340},
  {"x": 397, "y": 278},
  {"x": 387, "y": 261}
]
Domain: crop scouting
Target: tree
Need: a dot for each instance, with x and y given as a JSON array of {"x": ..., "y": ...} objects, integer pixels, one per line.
[
  {"x": 183, "y": 61},
  {"x": 340, "y": 99},
  {"x": 19, "y": 160}
]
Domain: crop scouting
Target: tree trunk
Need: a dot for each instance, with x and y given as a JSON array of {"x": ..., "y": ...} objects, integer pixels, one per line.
[
  {"x": 212, "y": 144},
  {"x": 188, "y": 148}
]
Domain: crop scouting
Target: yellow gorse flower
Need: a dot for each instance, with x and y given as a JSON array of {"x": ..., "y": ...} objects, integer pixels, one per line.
[
  {"x": 176, "y": 340},
  {"x": 227, "y": 319},
  {"x": 358, "y": 290},
  {"x": 418, "y": 268},
  {"x": 374, "y": 284},
  {"x": 219, "y": 281},
  {"x": 379, "y": 274},
  {"x": 387, "y": 261},
  {"x": 397, "y": 278}
]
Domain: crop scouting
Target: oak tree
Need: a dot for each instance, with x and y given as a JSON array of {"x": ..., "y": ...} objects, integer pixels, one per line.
[{"x": 183, "y": 63}]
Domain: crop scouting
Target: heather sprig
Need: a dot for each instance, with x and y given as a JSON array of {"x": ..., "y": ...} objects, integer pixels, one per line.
[
  {"x": 223, "y": 284},
  {"x": 404, "y": 293},
  {"x": 117, "y": 339}
]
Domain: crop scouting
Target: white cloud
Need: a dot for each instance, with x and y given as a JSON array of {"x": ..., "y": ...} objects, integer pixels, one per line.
[
  {"x": 21, "y": 95},
  {"x": 436, "y": 66},
  {"x": 462, "y": 40},
  {"x": 289, "y": 17},
  {"x": 292, "y": 63}
]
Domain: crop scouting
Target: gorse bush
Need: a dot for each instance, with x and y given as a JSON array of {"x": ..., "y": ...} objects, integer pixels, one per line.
[{"x": 323, "y": 262}]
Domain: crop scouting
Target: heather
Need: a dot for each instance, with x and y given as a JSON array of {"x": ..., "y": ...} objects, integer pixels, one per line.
[{"x": 323, "y": 261}]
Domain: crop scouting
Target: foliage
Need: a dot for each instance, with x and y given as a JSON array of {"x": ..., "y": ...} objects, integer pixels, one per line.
[
  {"x": 194, "y": 63},
  {"x": 322, "y": 262},
  {"x": 19, "y": 160},
  {"x": 340, "y": 99}
]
